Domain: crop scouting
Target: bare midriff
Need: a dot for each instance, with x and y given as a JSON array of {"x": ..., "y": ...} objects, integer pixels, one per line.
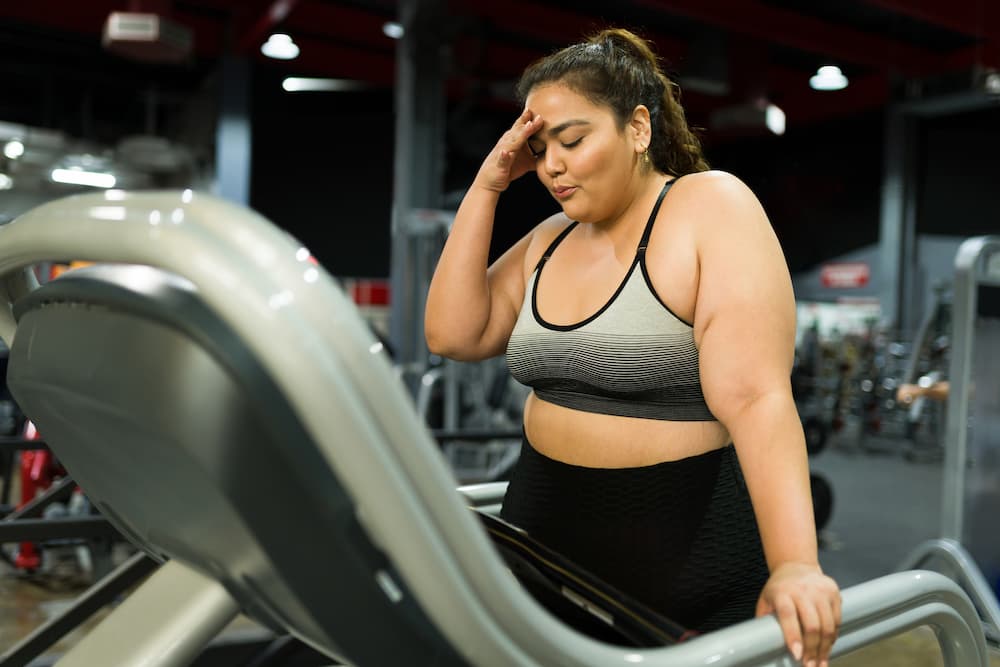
[{"x": 608, "y": 441}]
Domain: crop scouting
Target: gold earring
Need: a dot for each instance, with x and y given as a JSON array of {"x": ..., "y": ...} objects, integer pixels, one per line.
[{"x": 645, "y": 155}]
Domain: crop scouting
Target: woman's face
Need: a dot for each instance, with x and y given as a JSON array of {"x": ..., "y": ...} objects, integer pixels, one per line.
[{"x": 582, "y": 158}]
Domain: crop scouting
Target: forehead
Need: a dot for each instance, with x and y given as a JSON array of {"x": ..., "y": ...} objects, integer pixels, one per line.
[{"x": 556, "y": 102}]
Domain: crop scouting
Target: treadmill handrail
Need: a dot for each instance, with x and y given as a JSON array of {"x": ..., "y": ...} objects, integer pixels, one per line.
[
  {"x": 263, "y": 285},
  {"x": 968, "y": 275},
  {"x": 873, "y": 610}
]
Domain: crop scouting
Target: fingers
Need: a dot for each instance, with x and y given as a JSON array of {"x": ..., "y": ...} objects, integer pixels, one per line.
[
  {"x": 763, "y": 607},
  {"x": 526, "y": 125},
  {"x": 516, "y": 156},
  {"x": 525, "y": 120},
  {"x": 827, "y": 631},
  {"x": 788, "y": 619},
  {"x": 835, "y": 619},
  {"x": 807, "y": 605},
  {"x": 812, "y": 629},
  {"x": 809, "y": 625},
  {"x": 515, "y": 139},
  {"x": 510, "y": 158}
]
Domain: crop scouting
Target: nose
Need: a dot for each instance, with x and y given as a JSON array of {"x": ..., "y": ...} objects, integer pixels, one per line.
[{"x": 553, "y": 163}]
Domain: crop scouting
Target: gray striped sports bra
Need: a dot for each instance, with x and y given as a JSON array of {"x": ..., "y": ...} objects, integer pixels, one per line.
[{"x": 634, "y": 357}]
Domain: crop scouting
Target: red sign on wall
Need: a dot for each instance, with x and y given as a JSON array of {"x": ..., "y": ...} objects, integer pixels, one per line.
[
  {"x": 844, "y": 275},
  {"x": 367, "y": 292}
]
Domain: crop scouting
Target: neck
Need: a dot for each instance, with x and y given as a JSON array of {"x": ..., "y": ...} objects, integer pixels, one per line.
[{"x": 625, "y": 228}]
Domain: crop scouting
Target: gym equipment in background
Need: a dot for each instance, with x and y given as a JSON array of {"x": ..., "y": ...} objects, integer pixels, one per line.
[{"x": 969, "y": 547}]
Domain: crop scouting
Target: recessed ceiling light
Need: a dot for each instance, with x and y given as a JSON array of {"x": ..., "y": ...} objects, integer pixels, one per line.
[
  {"x": 280, "y": 46},
  {"x": 828, "y": 77},
  {"x": 393, "y": 30},
  {"x": 13, "y": 149},
  {"x": 774, "y": 118}
]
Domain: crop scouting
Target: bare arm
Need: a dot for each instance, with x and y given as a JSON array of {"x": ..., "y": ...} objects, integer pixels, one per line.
[
  {"x": 745, "y": 330},
  {"x": 937, "y": 391},
  {"x": 471, "y": 308}
]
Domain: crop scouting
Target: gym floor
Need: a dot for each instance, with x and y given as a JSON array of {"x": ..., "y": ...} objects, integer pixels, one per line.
[{"x": 858, "y": 544}]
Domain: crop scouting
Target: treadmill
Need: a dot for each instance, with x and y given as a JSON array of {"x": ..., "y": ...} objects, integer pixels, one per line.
[{"x": 223, "y": 404}]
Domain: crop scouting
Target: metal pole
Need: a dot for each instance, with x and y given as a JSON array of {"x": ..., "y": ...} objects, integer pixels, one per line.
[
  {"x": 418, "y": 168},
  {"x": 895, "y": 237},
  {"x": 963, "y": 313},
  {"x": 232, "y": 137}
]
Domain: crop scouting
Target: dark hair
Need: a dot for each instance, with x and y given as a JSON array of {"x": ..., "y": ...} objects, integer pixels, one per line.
[{"x": 618, "y": 69}]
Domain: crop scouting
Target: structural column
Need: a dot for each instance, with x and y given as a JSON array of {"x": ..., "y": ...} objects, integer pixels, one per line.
[
  {"x": 418, "y": 169},
  {"x": 902, "y": 295},
  {"x": 233, "y": 139},
  {"x": 897, "y": 232}
]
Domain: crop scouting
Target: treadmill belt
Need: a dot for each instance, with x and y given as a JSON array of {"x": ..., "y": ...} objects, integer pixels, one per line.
[{"x": 578, "y": 598}]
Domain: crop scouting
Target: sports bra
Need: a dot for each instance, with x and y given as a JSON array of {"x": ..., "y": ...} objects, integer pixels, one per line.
[{"x": 633, "y": 358}]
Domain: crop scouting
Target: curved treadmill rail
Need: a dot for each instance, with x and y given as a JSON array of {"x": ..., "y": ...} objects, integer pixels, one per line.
[{"x": 261, "y": 283}]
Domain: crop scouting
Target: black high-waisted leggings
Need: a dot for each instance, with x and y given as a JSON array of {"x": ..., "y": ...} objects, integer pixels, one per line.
[{"x": 678, "y": 536}]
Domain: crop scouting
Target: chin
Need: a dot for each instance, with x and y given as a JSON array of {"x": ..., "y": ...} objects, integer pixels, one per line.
[
  {"x": 576, "y": 212},
  {"x": 579, "y": 215}
]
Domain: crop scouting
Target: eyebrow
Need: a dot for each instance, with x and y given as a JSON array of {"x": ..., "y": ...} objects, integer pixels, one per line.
[{"x": 554, "y": 131}]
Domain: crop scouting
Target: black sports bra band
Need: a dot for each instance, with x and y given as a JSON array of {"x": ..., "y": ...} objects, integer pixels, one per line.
[
  {"x": 644, "y": 241},
  {"x": 552, "y": 246}
]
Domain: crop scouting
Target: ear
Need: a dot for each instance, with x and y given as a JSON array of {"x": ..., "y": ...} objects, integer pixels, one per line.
[{"x": 639, "y": 128}]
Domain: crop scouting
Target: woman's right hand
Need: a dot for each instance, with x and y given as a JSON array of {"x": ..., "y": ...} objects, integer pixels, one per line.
[{"x": 510, "y": 158}]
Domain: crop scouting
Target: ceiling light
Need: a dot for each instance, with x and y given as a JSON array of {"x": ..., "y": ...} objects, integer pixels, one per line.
[
  {"x": 393, "y": 30},
  {"x": 751, "y": 116},
  {"x": 828, "y": 77},
  {"x": 280, "y": 46},
  {"x": 6, "y": 182},
  {"x": 13, "y": 149},
  {"x": 774, "y": 118},
  {"x": 77, "y": 176},
  {"x": 298, "y": 84},
  {"x": 991, "y": 83}
]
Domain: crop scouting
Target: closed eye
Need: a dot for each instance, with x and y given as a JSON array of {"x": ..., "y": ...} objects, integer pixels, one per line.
[{"x": 537, "y": 154}]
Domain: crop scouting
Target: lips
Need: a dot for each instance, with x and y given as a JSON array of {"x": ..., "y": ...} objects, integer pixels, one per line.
[{"x": 563, "y": 191}]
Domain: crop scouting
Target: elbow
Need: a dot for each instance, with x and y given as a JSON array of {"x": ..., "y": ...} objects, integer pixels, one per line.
[
  {"x": 435, "y": 339},
  {"x": 441, "y": 341},
  {"x": 435, "y": 343},
  {"x": 450, "y": 347},
  {"x": 435, "y": 333},
  {"x": 755, "y": 406}
]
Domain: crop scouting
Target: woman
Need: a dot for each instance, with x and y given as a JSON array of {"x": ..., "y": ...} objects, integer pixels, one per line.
[{"x": 654, "y": 319}]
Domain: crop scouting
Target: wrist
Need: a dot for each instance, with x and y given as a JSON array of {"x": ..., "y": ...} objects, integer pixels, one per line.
[
  {"x": 797, "y": 566},
  {"x": 484, "y": 190}
]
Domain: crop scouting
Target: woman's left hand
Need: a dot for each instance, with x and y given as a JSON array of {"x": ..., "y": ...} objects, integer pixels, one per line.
[{"x": 807, "y": 604}]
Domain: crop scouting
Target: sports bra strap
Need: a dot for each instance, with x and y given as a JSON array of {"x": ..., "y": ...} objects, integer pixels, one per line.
[
  {"x": 644, "y": 241},
  {"x": 552, "y": 246}
]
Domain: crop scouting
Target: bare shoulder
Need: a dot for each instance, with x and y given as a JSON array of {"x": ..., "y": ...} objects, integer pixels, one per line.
[
  {"x": 714, "y": 180},
  {"x": 740, "y": 258},
  {"x": 719, "y": 195},
  {"x": 722, "y": 211}
]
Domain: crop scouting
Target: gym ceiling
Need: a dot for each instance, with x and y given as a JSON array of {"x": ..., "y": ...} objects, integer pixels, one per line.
[{"x": 725, "y": 52}]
